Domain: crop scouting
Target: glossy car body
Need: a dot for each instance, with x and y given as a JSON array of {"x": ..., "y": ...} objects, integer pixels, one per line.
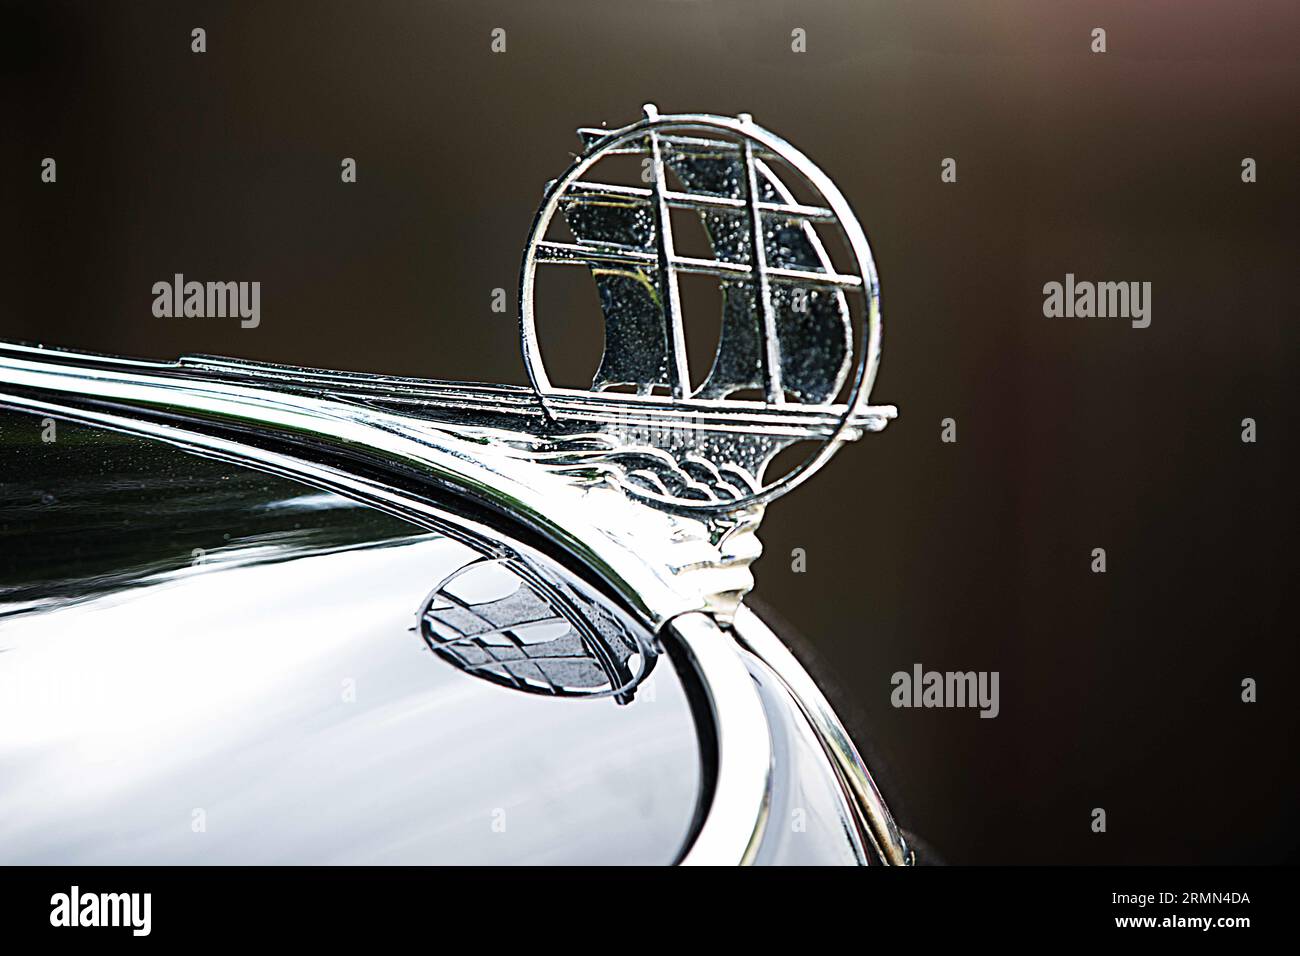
[{"x": 224, "y": 596}]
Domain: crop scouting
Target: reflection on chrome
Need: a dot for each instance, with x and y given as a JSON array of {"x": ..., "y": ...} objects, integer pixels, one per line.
[{"x": 503, "y": 620}]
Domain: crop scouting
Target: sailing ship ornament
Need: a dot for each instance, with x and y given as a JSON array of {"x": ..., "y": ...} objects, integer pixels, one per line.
[
  {"x": 800, "y": 337},
  {"x": 649, "y": 471}
]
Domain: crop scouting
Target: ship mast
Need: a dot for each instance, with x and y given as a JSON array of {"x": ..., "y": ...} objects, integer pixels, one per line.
[{"x": 674, "y": 329}]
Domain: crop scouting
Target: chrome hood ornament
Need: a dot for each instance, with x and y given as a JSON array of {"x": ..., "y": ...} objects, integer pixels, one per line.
[
  {"x": 799, "y": 340},
  {"x": 654, "y": 476}
]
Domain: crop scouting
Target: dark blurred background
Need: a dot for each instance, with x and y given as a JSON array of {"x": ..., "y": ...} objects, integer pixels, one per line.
[{"x": 1118, "y": 690}]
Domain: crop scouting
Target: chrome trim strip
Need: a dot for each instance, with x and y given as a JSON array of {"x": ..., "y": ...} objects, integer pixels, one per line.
[
  {"x": 737, "y": 815},
  {"x": 885, "y": 837},
  {"x": 598, "y": 525}
]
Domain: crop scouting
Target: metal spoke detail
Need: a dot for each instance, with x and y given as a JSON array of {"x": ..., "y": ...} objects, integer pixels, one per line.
[
  {"x": 770, "y": 349},
  {"x": 673, "y": 328},
  {"x": 704, "y": 144},
  {"x": 583, "y": 191},
  {"x": 584, "y": 254}
]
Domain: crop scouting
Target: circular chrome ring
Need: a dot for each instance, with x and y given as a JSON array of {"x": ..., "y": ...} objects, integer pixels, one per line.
[{"x": 868, "y": 337}]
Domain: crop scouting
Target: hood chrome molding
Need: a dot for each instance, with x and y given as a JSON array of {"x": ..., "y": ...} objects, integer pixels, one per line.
[
  {"x": 737, "y": 816},
  {"x": 881, "y": 832},
  {"x": 660, "y": 562}
]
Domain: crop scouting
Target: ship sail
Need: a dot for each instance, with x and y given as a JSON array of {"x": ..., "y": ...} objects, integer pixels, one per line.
[
  {"x": 621, "y": 240},
  {"x": 812, "y": 325},
  {"x": 631, "y": 295}
]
